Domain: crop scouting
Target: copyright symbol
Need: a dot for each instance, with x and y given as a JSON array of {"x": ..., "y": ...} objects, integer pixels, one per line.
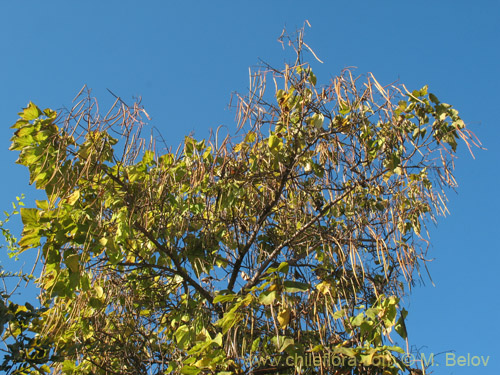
[{"x": 408, "y": 359}]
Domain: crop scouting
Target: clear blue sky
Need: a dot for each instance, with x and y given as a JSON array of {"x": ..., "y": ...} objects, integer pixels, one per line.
[{"x": 186, "y": 59}]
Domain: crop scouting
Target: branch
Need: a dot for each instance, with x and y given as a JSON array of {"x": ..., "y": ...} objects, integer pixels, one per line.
[
  {"x": 255, "y": 279},
  {"x": 262, "y": 218},
  {"x": 179, "y": 270}
]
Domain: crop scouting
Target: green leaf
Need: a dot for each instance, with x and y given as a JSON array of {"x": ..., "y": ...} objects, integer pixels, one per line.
[
  {"x": 346, "y": 351},
  {"x": 30, "y": 240},
  {"x": 312, "y": 78},
  {"x": 400, "y": 326},
  {"x": 286, "y": 342},
  {"x": 72, "y": 262},
  {"x": 224, "y": 298},
  {"x": 317, "y": 120},
  {"x": 29, "y": 216},
  {"x": 148, "y": 157},
  {"x": 190, "y": 370},
  {"x": 25, "y": 131},
  {"x": 68, "y": 367},
  {"x": 182, "y": 335},
  {"x": 283, "y": 268},
  {"x": 255, "y": 344},
  {"x": 433, "y": 98},
  {"x": 218, "y": 339},
  {"x": 50, "y": 113},
  {"x": 85, "y": 282},
  {"x": 273, "y": 142},
  {"x": 339, "y": 314},
  {"x": 344, "y": 108},
  {"x": 358, "y": 320},
  {"x": 31, "y": 112},
  {"x": 295, "y": 286},
  {"x": 189, "y": 146},
  {"x": 228, "y": 320},
  {"x": 372, "y": 312},
  {"x": 42, "y": 205},
  {"x": 267, "y": 298}
]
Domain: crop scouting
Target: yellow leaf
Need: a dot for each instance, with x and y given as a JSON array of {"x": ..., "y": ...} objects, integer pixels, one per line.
[
  {"x": 284, "y": 317},
  {"x": 130, "y": 258},
  {"x": 128, "y": 331},
  {"x": 318, "y": 348},
  {"x": 204, "y": 362},
  {"x": 73, "y": 197},
  {"x": 99, "y": 291},
  {"x": 323, "y": 287}
]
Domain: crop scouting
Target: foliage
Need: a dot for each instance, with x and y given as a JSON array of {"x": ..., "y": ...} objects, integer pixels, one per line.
[
  {"x": 293, "y": 239},
  {"x": 18, "y": 322}
]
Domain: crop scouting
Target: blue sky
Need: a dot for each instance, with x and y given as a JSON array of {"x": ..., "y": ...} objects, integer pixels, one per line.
[{"x": 186, "y": 58}]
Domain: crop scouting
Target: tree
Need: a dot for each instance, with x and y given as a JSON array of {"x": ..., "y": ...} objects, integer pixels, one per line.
[{"x": 283, "y": 248}]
